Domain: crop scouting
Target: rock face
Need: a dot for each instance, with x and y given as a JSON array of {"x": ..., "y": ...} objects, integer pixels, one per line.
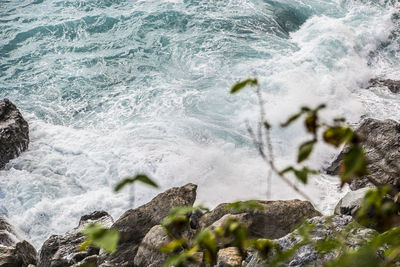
[
  {"x": 381, "y": 143},
  {"x": 63, "y": 250},
  {"x": 14, "y": 252},
  {"x": 14, "y": 132},
  {"x": 229, "y": 257},
  {"x": 134, "y": 224},
  {"x": 324, "y": 228},
  {"x": 392, "y": 85},
  {"x": 149, "y": 253},
  {"x": 351, "y": 202},
  {"x": 276, "y": 219},
  {"x": 8, "y": 234}
]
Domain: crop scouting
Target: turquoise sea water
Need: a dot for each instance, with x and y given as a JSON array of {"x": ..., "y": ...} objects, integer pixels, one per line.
[{"x": 113, "y": 88}]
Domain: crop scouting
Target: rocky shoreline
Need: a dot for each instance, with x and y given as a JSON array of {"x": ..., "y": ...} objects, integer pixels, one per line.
[{"x": 141, "y": 233}]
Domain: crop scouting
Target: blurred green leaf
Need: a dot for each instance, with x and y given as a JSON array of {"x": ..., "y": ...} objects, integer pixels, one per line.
[
  {"x": 328, "y": 245},
  {"x": 242, "y": 84},
  {"x": 354, "y": 164},
  {"x": 244, "y": 205},
  {"x": 305, "y": 151},
  {"x": 178, "y": 217},
  {"x": 301, "y": 174},
  {"x": 100, "y": 237},
  {"x": 291, "y": 119},
  {"x": 311, "y": 123},
  {"x": 338, "y": 135},
  {"x": 138, "y": 178},
  {"x": 263, "y": 246},
  {"x": 207, "y": 240},
  {"x": 182, "y": 258},
  {"x": 173, "y": 245}
]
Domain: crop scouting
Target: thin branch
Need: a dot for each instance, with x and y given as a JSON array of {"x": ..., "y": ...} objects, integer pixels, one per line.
[{"x": 272, "y": 165}]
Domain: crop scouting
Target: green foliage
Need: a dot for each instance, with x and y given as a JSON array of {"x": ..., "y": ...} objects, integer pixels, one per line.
[
  {"x": 98, "y": 236},
  {"x": 183, "y": 258},
  {"x": 378, "y": 210},
  {"x": 242, "y": 84},
  {"x": 354, "y": 164},
  {"x": 338, "y": 135},
  {"x": 301, "y": 174},
  {"x": 244, "y": 205},
  {"x": 178, "y": 218},
  {"x": 305, "y": 150},
  {"x": 138, "y": 178},
  {"x": 207, "y": 240},
  {"x": 174, "y": 245}
]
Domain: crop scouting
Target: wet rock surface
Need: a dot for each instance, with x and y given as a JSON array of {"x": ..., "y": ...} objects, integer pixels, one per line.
[
  {"x": 14, "y": 132},
  {"x": 392, "y": 85}
]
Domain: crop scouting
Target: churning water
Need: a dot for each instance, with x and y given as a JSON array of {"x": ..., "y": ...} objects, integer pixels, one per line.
[{"x": 112, "y": 88}]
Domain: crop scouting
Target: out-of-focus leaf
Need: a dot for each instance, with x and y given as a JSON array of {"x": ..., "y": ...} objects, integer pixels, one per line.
[
  {"x": 338, "y": 135},
  {"x": 100, "y": 237},
  {"x": 138, "y": 178},
  {"x": 311, "y": 123},
  {"x": 207, "y": 240},
  {"x": 263, "y": 246},
  {"x": 301, "y": 174},
  {"x": 182, "y": 258},
  {"x": 291, "y": 119},
  {"x": 178, "y": 217},
  {"x": 173, "y": 245},
  {"x": 354, "y": 164},
  {"x": 305, "y": 150},
  {"x": 244, "y": 205},
  {"x": 328, "y": 245},
  {"x": 286, "y": 170},
  {"x": 242, "y": 84}
]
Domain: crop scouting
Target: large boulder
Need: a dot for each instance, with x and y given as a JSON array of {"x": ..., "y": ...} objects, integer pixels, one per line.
[
  {"x": 392, "y": 85},
  {"x": 63, "y": 250},
  {"x": 276, "y": 219},
  {"x": 324, "y": 228},
  {"x": 381, "y": 143},
  {"x": 134, "y": 224},
  {"x": 14, "y": 132},
  {"x": 13, "y": 251}
]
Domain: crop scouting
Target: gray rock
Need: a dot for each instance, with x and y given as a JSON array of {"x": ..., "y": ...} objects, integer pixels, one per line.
[
  {"x": 21, "y": 254},
  {"x": 149, "y": 253},
  {"x": 63, "y": 250},
  {"x": 13, "y": 251},
  {"x": 271, "y": 222},
  {"x": 351, "y": 202},
  {"x": 134, "y": 224},
  {"x": 325, "y": 227},
  {"x": 381, "y": 143},
  {"x": 8, "y": 234},
  {"x": 14, "y": 132},
  {"x": 392, "y": 85}
]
